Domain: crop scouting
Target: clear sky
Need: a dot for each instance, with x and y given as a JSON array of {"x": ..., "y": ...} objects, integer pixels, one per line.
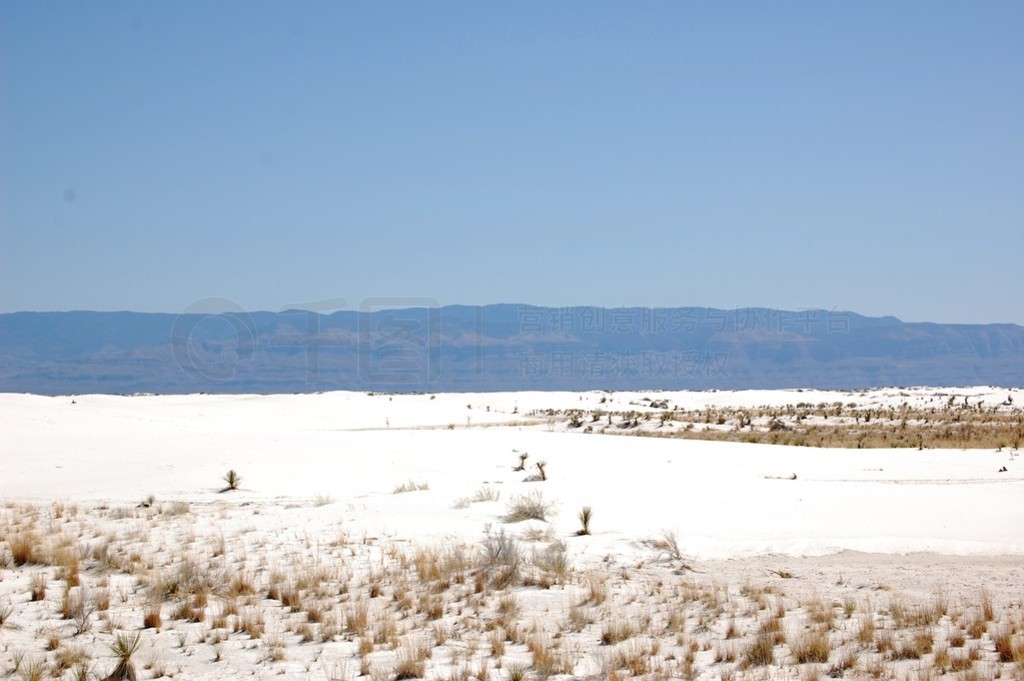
[{"x": 866, "y": 156}]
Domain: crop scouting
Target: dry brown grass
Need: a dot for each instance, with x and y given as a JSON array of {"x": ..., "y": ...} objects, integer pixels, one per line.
[
  {"x": 151, "y": 617},
  {"x": 24, "y": 547},
  {"x": 954, "y": 426},
  {"x": 39, "y": 582},
  {"x": 1008, "y": 647},
  {"x": 761, "y": 652},
  {"x": 412, "y": 657},
  {"x": 654, "y": 621},
  {"x": 914, "y": 646},
  {"x": 812, "y": 646}
]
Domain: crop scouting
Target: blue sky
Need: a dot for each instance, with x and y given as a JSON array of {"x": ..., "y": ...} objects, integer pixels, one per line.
[{"x": 861, "y": 156}]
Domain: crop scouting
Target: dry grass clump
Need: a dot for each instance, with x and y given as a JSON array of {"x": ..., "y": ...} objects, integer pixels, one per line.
[
  {"x": 151, "y": 617},
  {"x": 39, "y": 583},
  {"x": 1009, "y": 648},
  {"x": 761, "y": 652},
  {"x": 812, "y": 646},
  {"x": 32, "y": 669},
  {"x": 69, "y": 563},
  {"x": 69, "y": 657},
  {"x": 616, "y": 631},
  {"x": 915, "y": 646},
  {"x": 410, "y": 486},
  {"x": 23, "y": 546},
  {"x": 866, "y": 630},
  {"x": 963, "y": 661},
  {"x": 483, "y": 494},
  {"x": 530, "y": 506},
  {"x": 412, "y": 660},
  {"x": 252, "y": 622}
]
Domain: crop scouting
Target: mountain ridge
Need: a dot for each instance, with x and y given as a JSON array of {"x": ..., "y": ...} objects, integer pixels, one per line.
[{"x": 496, "y": 347}]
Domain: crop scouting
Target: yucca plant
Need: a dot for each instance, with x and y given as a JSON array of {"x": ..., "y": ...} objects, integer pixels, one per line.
[
  {"x": 585, "y": 515},
  {"x": 123, "y": 648},
  {"x": 233, "y": 479}
]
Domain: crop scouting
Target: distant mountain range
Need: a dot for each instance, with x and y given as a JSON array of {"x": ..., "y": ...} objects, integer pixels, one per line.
[{"x": 496, "y": 347}]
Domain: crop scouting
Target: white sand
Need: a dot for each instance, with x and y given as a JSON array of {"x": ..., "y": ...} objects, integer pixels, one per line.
[{"x": 316, "y": 467}]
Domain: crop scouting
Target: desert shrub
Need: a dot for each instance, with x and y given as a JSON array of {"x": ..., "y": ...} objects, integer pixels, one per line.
[
  {"x": 501, "y": 559},
  {"x": 530, "y": 506}
]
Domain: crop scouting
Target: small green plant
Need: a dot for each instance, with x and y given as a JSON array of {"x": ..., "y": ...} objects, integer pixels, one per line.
[
  {"x": 124, "y": 647},
  {"x": 233, "y": 479},
  {"x": 585, "y": 515}
]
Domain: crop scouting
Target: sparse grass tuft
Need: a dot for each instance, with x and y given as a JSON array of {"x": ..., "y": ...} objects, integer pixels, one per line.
[
  {"x": 668, "y": 544},
  {"x": 410, "y": 486},
  {"x": 39, "y": 582}
]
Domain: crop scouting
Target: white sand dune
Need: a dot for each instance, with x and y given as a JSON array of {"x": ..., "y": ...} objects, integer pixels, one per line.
[
  {"x": 721, "y": 499},
  {"x": 859, "y": 535}
]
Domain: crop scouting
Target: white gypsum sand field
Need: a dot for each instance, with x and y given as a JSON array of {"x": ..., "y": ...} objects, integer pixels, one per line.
[{"x": 370, "y": 534}]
